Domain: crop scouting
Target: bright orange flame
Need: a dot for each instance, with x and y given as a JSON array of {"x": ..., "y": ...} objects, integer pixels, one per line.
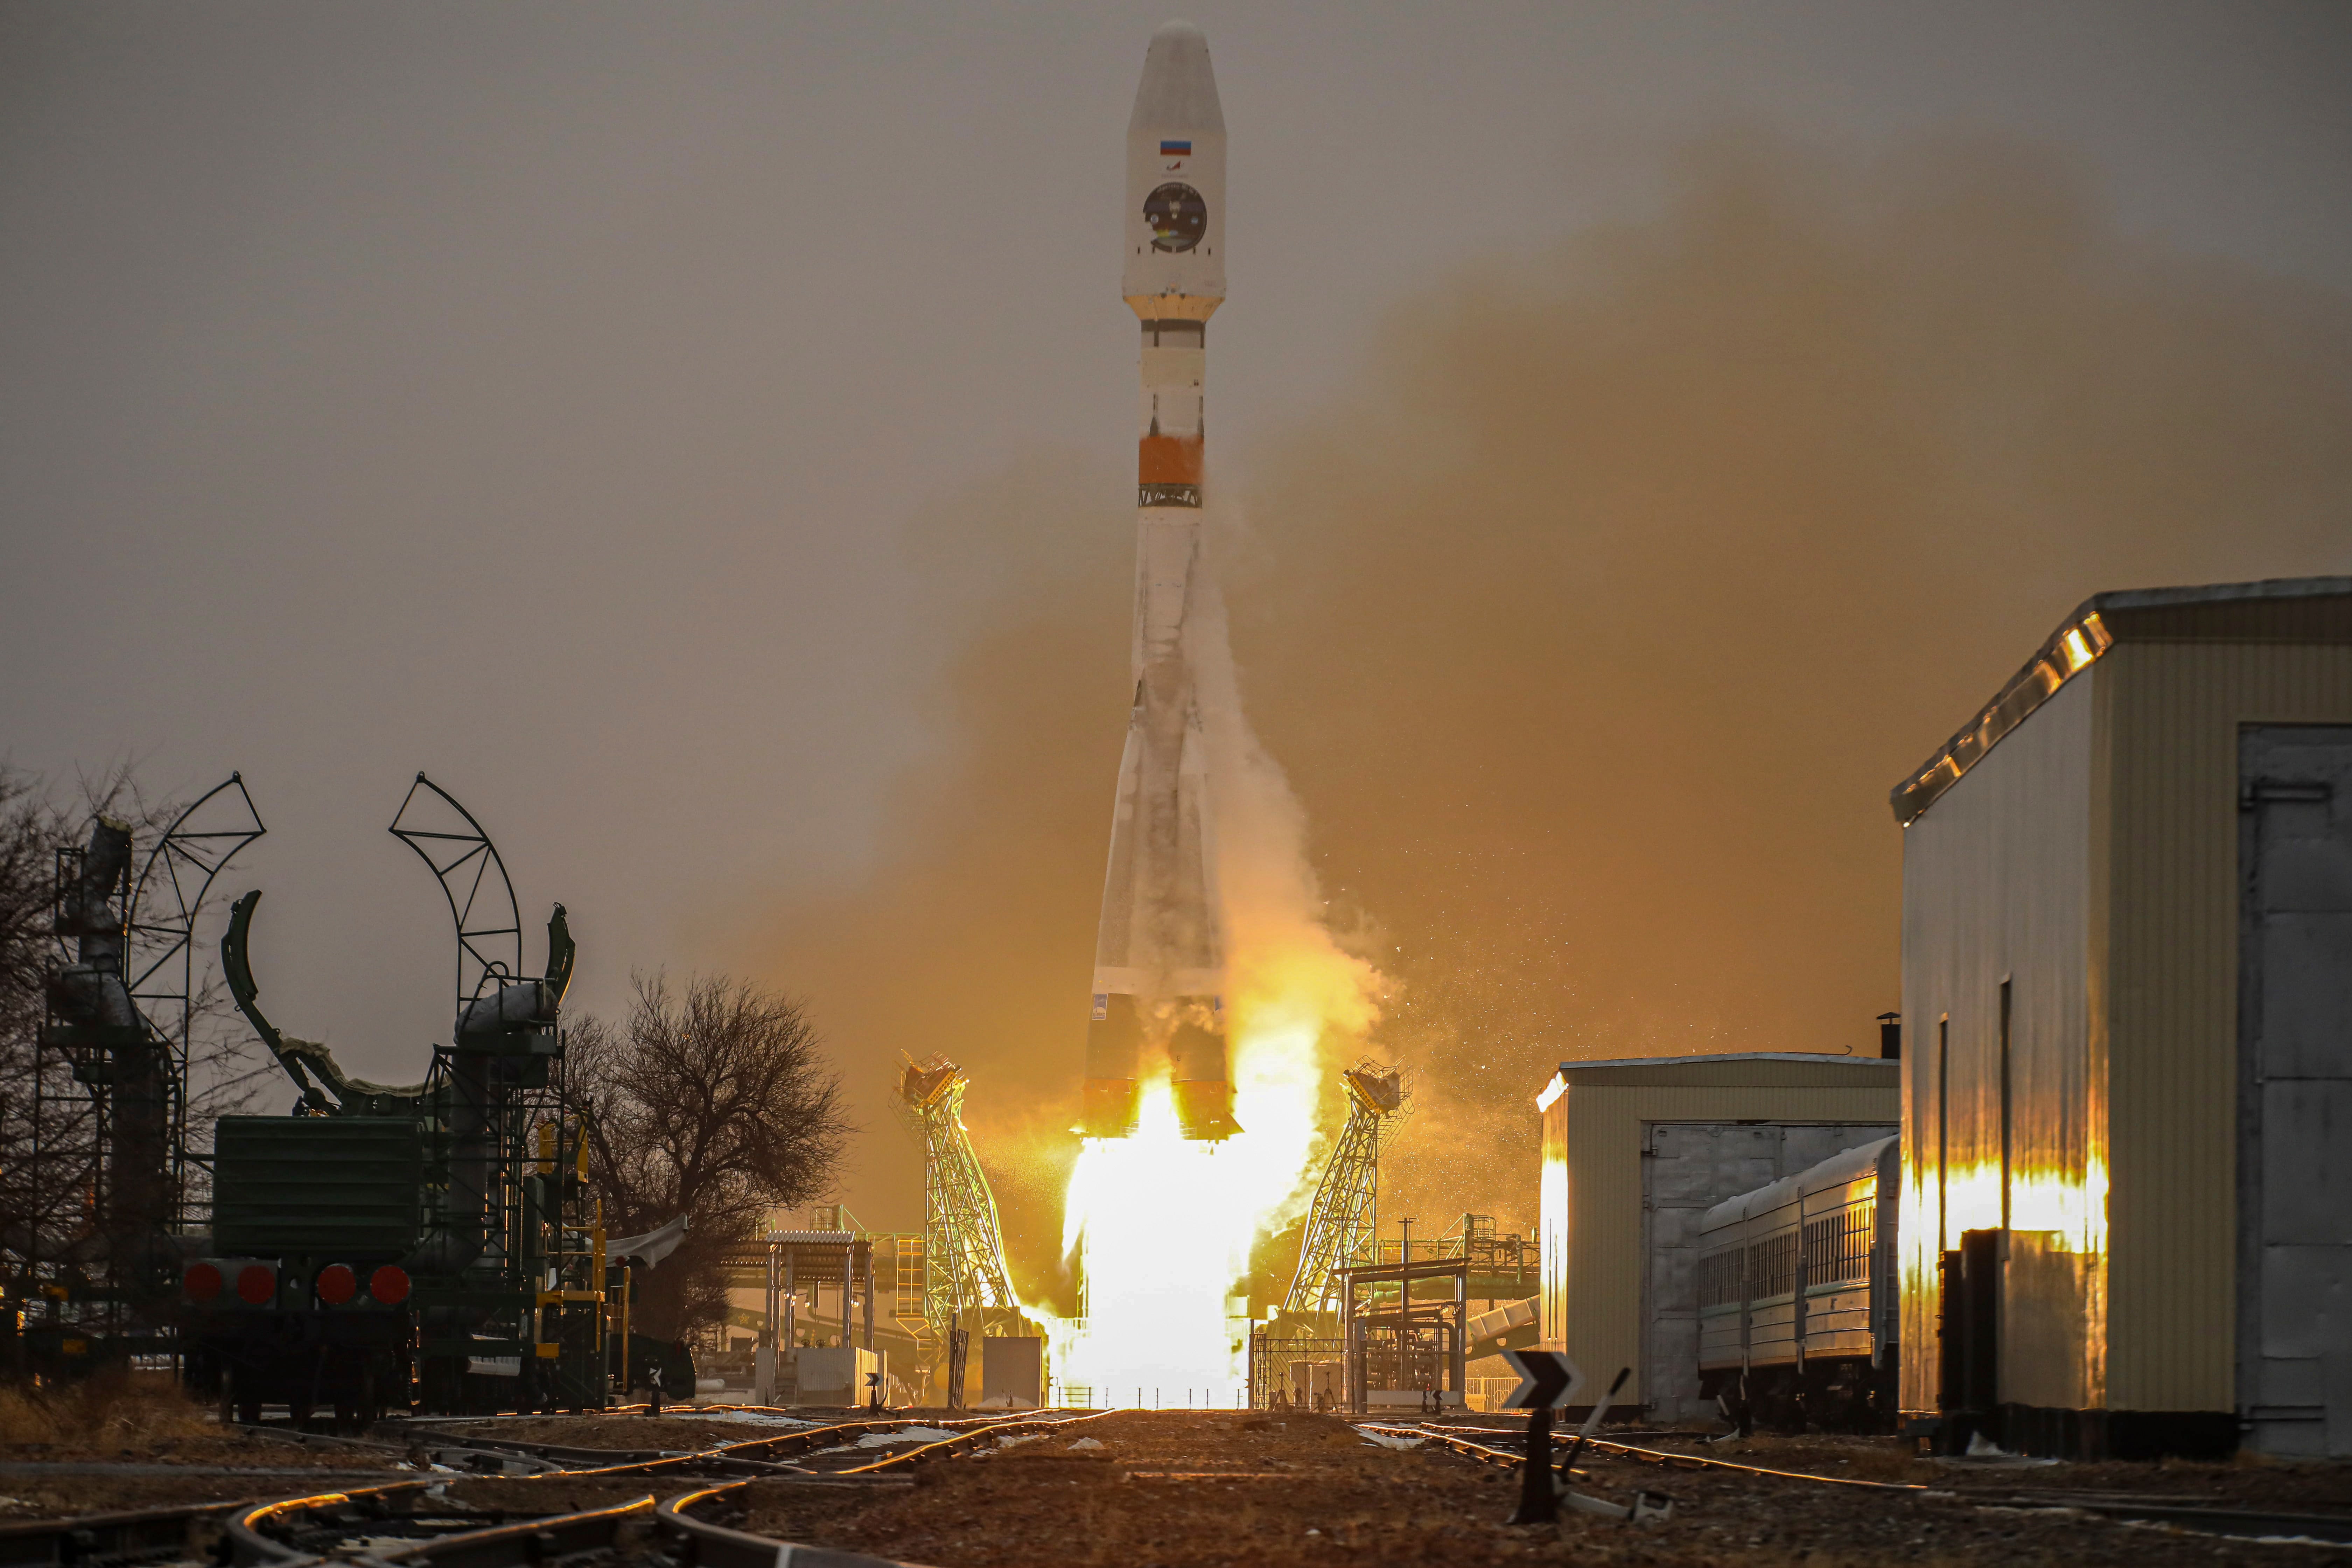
[{"x": 1162, "y": 1227}]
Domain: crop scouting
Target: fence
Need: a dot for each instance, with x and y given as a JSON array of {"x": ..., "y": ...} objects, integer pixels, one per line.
[{"x": 1307, "y": 1371}]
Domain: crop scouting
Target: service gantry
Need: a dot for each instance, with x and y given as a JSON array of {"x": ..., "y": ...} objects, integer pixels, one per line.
[
  {"x": 1340, "y": 1226},
  {"x": 965, "y": 1285}
]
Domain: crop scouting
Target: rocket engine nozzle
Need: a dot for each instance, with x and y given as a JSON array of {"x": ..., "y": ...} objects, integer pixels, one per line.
[{"x": 1199, "y": 1082}]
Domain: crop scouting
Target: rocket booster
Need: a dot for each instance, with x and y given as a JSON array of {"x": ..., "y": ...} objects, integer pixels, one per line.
[{"x": 1158, "y": 984}]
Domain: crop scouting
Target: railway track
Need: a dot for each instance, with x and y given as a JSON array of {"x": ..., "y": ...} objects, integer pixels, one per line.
[
  {"x": 748, "y": 1457},
  {"x": 648, "y": 1509},
  {"x": 100, "y": 1539},
  {"x": 415, "y": 1521},
  {"x": 2238, "y": 1524},
  {"x": 386, "y": 1524},
  {"x": 1453, "y": 1437}
]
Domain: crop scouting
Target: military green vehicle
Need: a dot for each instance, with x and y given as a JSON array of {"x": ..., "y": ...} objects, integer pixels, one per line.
[{"x": 434, "y": 1245}]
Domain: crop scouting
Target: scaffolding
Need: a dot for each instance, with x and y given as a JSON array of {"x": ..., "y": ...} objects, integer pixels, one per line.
[
  {"x": 1340, "y": 1227},
  {"x": 961, "y": 1254},
  {"x": 1503, "y": 1266},
  {"x": 107, "y": 1178},
  {"x": 793, "y": 1269}
]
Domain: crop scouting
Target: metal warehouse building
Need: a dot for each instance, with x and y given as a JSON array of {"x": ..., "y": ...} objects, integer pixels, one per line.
[
  {"x": 1635, "y": 1152},
  {"x": 2128, "y": 986}
]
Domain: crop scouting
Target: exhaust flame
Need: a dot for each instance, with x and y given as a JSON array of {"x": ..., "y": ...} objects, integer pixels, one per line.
[{"x": 1161, "y": 1227}]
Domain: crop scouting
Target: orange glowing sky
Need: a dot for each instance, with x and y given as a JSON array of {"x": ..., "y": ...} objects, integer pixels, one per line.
[{"x": 700, "y": 440}]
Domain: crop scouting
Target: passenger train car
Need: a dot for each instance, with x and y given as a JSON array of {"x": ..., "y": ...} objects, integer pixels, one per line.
[{"x": 1798, "y": 1311}]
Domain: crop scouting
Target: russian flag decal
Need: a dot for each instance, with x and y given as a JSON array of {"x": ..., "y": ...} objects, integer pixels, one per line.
[{"x": 1176, "y": 149}]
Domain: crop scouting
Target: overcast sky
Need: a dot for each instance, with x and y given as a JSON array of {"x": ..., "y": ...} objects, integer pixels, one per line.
[{"x": 536, "y": 393}]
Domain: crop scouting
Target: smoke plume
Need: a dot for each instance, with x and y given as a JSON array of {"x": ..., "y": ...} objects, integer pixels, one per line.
[{"x": 1591, "y": 625}]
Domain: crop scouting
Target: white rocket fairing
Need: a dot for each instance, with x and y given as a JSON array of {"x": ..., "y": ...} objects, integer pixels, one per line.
[{"x": 1158, "y": 988}]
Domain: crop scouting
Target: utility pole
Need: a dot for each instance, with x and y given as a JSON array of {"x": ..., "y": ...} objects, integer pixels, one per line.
[{"x": 1404, "y": 1303}]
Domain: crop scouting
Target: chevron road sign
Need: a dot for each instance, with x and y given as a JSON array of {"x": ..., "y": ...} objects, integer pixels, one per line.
[{"x": 1547, "y": 1380}]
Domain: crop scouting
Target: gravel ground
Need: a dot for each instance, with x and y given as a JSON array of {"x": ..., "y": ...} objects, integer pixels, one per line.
[
  {"x": 236, "y": 1449},
  {"x": 627, "y": 1432},
  {"x": 2249, "y": 1482},
  {"x": 1173, "y": 1489},
  {"x": 683, "y": 1433},
  {"x": 41, "y": 1480},
  {"x": 23, "y": 1497},
  {"x": 75, "y": 1490},
  {"x": 1187, "y": 1489}
]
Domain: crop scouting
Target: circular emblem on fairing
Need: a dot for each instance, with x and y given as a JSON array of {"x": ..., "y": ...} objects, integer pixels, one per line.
[{"x": 1178, "y": 216}]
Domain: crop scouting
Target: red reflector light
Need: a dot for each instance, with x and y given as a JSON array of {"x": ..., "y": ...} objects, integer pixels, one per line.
[
  {"x": 389, "y": 1284},
  {"x": 202, "y": 1282},
  {"x": 256, "y": 1284},
  {"x": 337, "y": 1284}
]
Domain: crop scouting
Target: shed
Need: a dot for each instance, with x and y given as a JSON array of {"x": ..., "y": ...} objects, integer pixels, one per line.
[
  {"x": 2127, "y": 982},
  {"x": 1634, "y": 1152}
]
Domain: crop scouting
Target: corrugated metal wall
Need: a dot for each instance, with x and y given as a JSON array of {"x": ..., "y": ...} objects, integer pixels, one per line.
[
  {"x": 1591, "y": 1219},
  {"x": 340, "y": 1189},
  {"x": 2172, "y": 711},
  {"x": 1997, "y": 916},
  {"x": 2090, "y": 859}
]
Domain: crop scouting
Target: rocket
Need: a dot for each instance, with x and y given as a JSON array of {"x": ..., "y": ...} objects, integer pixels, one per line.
[{"x": 1159, "y": 981}]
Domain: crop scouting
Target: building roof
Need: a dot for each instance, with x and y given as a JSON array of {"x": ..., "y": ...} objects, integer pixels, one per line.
[
  {"x": 1723, "y": 1069},
  {"x": 2276, "y": 609}
]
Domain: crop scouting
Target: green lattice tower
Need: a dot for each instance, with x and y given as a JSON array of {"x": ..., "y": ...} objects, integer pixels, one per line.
[
  {"x": 1340, "y": 1226},
  {"x": 965, "y": 1284}
]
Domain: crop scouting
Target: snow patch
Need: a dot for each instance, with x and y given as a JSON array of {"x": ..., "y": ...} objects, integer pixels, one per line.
[{"x": 904, "y": 1435}]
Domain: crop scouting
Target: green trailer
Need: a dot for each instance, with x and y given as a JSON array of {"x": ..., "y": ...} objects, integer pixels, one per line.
[{"x": 434, "y": 1246}]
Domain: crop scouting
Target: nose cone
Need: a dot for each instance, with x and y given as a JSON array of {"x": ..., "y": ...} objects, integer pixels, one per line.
[
  {"x": 1176, "y": 182},
  {"x": 1179, "y": 92}
]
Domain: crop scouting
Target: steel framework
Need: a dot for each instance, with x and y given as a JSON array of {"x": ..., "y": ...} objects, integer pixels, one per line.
[
  {"x": 965, "y": 1285},
  {"x": 164, "y": 904},
  {"x": 1340, "y": 1226},
  {"x": 123, "y": 1001},
  {"x": 469, "y": 1189},
  {"x": 473, "y": 878}
]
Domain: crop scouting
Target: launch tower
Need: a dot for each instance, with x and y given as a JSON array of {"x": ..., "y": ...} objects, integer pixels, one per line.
[
  {"x": 964, "y": 1282},
  {"x": 1340, "y": 1226}
]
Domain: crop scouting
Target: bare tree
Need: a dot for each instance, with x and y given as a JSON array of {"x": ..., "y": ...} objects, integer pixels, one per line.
[
  {"x": 716, "y": 1103},
  {"x": 31, "y": 830}
]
